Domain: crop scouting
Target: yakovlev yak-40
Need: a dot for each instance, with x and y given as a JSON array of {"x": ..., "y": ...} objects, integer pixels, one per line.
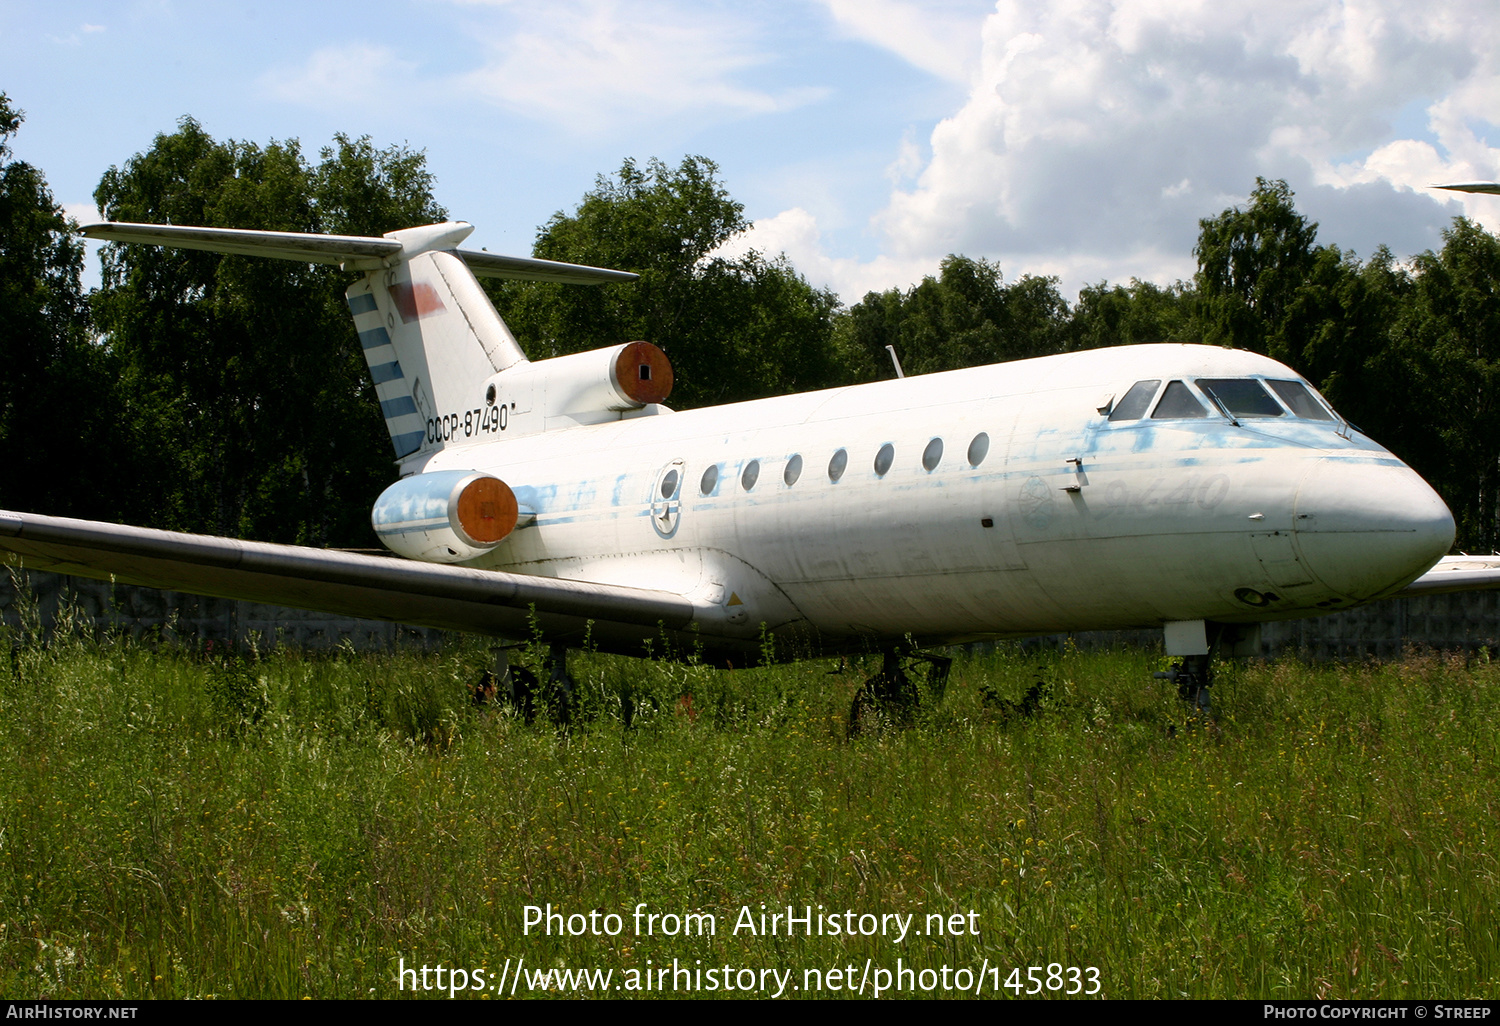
[{"x": 1186, "y": 487}]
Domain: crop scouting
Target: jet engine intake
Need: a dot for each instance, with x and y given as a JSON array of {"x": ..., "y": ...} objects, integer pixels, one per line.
[{"x": 447, "y": 516}]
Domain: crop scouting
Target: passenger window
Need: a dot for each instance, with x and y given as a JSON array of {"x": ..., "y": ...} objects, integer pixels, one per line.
[
  {"x": 932, "y": 455},
  {"x": 710, "y": 479},
  {"x": 1178, "y": 403},
  {"x": 750, "y": 475},
  {"x": 837, "y": 465},
  {"x": 793, "y": 471},
  {"x": 979, "y": 448},
  {"x": 1242, "y": 397},
  {"x": 669, "y": 484},
  {"x": 1133, "y": 406},
  {"x": 1299, "y": 400},
  {"x": 884, "y": 458}
]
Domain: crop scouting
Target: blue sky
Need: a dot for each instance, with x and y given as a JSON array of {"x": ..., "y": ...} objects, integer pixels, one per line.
[{"x": 866, "y": 138}]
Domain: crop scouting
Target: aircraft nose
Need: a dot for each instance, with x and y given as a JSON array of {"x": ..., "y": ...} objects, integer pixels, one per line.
[{"x": 1368, "y": 528}]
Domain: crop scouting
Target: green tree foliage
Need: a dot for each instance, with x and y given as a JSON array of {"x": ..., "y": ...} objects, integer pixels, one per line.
[
  {"x": 1449, "y": 333},
  {"x": 245, "y": 390},
  {"x": 57, "y": 425},
  {"x": 965, "y": 317},
  {"x": 1122, "y": 315},
  {"x": 1250, "y": 265},
  {"x": 734, "y": 328}
]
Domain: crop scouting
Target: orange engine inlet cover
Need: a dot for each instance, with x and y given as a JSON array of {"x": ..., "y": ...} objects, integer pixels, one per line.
[
  {"x": 644, "y": 373},
  {"x": 487, "y": 510}
]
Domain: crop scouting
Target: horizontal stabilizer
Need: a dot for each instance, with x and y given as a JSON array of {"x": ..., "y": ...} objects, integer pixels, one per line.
[
  {"x": 354, "y": 252},
  {"x": 376, "y": 587},
  {"x": 492, "y": 265},
  {"x": 313, "y": 249},
  {"x": 1456, "y": 573}
]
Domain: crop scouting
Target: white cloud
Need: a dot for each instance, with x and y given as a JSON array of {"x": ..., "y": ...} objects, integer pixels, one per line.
[
  {"x": 76, "y": 38},
  {"x": 601, "y": 66},
  {"x": 795, "y": 233},
  {"x": 83, "y": 213},
  {"x": 936, "y": 37},
  {"x": 1098, "y": 132},
  {"x": 347, "y": 76}
]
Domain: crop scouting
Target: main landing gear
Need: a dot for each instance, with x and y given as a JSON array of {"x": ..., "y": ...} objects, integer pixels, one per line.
[
  {"x": 517, "y": 686},
  {"x": 890, "y": 696}
]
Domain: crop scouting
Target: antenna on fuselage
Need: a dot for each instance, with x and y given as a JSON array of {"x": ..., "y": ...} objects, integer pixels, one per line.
[{"x": 895, "y": 362}]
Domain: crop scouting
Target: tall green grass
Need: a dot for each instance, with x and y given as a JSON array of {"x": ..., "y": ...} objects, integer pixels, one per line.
[{"x": 176, "y": 824}]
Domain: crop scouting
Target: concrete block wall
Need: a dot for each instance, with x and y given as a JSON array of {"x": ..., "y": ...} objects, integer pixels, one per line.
[{"x": 1381, "y": 630}]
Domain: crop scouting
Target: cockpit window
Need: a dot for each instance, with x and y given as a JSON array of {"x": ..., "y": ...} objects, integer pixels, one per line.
[
  {"x": 1133, "y": 405},
  {"x": 1299, "y": 400},
  {"x": 1242, "y": 397},
  {"x": 1178, "y": 402}
]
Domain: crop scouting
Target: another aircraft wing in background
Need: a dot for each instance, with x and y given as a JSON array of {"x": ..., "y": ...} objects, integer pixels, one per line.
[
  {"x": 376, "y": 587},
  {"x": 1490, "y": 187},
  {"x": 352, "y": 252},
  {"x": 1455, "y": 573}
]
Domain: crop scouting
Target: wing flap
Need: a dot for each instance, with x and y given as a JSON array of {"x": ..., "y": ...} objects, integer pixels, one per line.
[{"x": 376, "y": 587}]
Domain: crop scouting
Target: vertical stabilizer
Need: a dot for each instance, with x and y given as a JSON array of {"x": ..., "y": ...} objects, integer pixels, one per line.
[{"x": 431, "y": 338}]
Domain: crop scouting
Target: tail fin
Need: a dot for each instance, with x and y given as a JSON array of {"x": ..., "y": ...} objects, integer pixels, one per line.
[{"x": 430, "y": 335}]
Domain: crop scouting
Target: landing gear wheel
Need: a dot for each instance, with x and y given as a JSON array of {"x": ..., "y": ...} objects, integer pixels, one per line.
[
  {"x": 560, "y": 688},
  {"x": 1193, "y": 676},
  {"x": 889, "y": 697}
]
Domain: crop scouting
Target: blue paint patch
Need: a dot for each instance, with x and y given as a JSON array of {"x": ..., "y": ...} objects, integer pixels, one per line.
[
  {"x": 362, "y": 304},
  {"x": 408, "y": 443},
  {"x": 397, "y": 407},
  {"x": 615, "y": 498},
  {"x": 386, "y": 372},
  {"x": 374, "y": 337}
]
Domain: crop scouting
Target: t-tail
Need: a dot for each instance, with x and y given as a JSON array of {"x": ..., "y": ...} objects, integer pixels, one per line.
[{"x": 447, "y": 370}]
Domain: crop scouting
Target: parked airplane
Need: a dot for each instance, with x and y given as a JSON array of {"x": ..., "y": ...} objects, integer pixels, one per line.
[{"x": 1192, "y": 488}]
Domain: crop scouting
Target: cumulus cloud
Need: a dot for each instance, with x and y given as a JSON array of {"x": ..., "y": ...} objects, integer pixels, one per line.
[
  {"x": 795, "y": 234},
  {"x": 600, "y": 66},
  {"x": 1096, "y": 133}
]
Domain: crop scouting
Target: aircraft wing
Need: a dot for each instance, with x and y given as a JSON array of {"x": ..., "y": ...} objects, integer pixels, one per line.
[
  {"x": 1455, "y": 573},
  {"x": 375, "y": 587},
  {"x": 1489, "y": 187},
  {"x": 353, "y": 251}
]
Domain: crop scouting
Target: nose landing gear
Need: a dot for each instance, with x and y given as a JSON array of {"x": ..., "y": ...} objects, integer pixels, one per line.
[{"x": 1192, "y": 674}]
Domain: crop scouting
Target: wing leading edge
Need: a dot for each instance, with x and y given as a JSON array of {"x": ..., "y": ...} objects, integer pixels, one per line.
[
  {"x": 1454, "y": 574},
  {"x": 375, "y": 587}
]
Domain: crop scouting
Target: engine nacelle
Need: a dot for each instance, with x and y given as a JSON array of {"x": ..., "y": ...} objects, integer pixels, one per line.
[
  {"x": 619, "y": 378},
  {"x": 446, "y": 516},
  {"x": 581, "y": 388}
]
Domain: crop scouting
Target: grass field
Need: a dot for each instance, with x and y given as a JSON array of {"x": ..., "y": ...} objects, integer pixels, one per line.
[{"x": 179, "y": 824}]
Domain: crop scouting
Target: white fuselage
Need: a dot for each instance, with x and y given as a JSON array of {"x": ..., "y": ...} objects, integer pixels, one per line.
[{"x": 1068, "y": 520}]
